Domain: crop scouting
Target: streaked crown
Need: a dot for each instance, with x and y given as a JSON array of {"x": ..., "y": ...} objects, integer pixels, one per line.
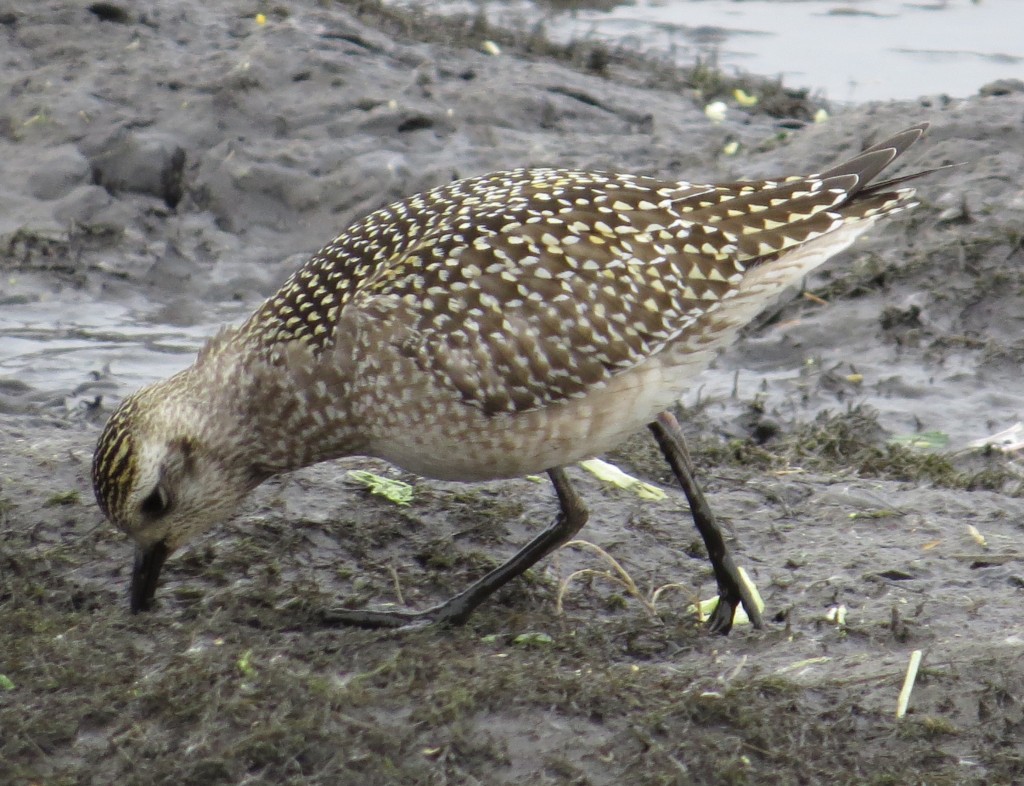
[{"x": 114, "y": 466}]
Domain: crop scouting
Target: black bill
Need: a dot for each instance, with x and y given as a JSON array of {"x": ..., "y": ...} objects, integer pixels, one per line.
[{"x": 148, "y": 561}]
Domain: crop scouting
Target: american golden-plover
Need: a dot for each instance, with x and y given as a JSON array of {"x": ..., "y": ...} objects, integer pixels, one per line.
[{"x": 490, "y": 328}]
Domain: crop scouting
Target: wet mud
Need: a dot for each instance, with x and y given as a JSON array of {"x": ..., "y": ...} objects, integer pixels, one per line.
[{"x": 163, "y": 169}]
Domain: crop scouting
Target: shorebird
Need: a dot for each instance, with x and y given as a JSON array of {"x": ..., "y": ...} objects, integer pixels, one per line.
[{"x": 493, "y": 327}]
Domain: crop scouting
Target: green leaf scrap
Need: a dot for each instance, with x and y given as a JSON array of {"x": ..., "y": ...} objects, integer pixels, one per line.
[{"x": 395, "y": 491}]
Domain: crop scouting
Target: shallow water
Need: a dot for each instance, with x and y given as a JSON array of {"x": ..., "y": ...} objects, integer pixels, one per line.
[
  {"x": 859, "y": 50},
  {"x": 55, "y": 352}
]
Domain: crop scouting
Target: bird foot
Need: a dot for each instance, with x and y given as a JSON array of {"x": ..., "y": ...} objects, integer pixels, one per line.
[{"x": 735, "y": 594}]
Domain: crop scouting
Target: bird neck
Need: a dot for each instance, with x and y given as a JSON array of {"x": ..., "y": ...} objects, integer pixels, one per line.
[{"x": 288, "y": 405}]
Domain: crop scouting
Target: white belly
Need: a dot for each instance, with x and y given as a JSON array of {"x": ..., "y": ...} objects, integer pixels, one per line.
[{"x": 465, "y": 444}]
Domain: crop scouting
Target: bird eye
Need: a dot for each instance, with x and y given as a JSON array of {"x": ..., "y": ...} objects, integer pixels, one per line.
[{"x": 156, "y": 504}]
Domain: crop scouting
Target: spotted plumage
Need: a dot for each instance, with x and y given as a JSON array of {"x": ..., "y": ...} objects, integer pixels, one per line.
[
  {"x": 527, "y": 287},
  {"x": 491, "y": 327}
]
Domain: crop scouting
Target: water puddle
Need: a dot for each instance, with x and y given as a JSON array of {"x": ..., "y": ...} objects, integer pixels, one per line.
[
  {"x": 857, "y": 50},
  {"x": 59, "y": 354}
]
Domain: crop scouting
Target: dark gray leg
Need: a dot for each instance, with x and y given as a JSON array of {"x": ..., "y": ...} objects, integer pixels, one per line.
[
  {"x": 572, "y": 515},
  {"x": 731, "y": 589}
]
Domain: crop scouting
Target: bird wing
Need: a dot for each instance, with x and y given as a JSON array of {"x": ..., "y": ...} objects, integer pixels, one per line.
[
  {"x": 524, "y": 288},
  {"x": 547, "y": 292}
]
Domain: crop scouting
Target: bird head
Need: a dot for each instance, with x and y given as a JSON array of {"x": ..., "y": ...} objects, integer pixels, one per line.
[{"x": 161, "y": 475}]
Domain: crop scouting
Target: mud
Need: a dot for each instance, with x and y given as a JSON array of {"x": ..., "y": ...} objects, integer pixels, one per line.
[{"x": 163, "y": 170}]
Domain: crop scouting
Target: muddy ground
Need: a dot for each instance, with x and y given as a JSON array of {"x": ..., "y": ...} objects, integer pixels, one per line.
[{"x": 178, "y": 159}]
